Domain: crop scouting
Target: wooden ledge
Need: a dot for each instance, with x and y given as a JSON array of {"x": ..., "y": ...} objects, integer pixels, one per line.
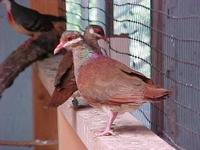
[{"x": 130, "y": 133}]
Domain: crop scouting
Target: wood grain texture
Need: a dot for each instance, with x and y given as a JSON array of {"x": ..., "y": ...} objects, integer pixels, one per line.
[
  {"x": 68, "y": 139},
  {"x": 45, "y": 119},
  {"x": 48, "y": 6}
]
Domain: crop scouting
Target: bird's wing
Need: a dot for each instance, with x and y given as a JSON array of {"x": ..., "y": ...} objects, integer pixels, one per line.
[
  {"x": 65, "y": 84},
  {"x": 132, "y": 72},
  {"x": 30, "y": 19},
  {"x": 64, "y": 68},
  {"x": 53, "y": 18},
  {"x": 108, "y": 81},
  {"x": 59, "y": 96}
]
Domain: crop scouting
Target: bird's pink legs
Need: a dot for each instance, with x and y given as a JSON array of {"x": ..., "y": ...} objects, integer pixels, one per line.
[{"x": 108, "y": 131}]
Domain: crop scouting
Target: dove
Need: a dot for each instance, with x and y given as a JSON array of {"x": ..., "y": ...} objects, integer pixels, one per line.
[
  {"x": 65, "y": 84},
  {"x": 106, "y": 83}
]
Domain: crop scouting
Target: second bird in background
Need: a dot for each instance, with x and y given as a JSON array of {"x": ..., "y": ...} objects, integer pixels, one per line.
[{"x": 65, "y": 84}]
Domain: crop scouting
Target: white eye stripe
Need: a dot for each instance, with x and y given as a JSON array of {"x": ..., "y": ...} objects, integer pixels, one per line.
[{"x": 73, "y": 42}]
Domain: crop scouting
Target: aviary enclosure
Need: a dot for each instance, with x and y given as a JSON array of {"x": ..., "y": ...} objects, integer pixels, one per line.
[{"x": 164, "y": 44}]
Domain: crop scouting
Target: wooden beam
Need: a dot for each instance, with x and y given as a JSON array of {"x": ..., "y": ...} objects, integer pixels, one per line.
[
  {"x": 45, "y": 119},
  {"x": 68, "y": 139},
  {"x": 157, "y": 116},
  {"x": 49, "y": 6},
  {"x": 109, "y": 18},
  {"x": 53, "y": 7}
]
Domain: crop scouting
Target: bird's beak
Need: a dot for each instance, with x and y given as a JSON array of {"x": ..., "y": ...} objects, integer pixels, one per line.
[
  {"x": 62, "y": 45},
  {"x": 59, "y": 47}
]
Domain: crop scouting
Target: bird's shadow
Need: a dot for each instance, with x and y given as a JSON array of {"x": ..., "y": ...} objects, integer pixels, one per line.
[{"x": 131, "y": 129}]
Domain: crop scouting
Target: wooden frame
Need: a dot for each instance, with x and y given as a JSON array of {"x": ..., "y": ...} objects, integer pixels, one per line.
[
  {"x": 44, "y": 119},
  {"x": 109, "y": 18},
  {"x": 157, "y": 116}
]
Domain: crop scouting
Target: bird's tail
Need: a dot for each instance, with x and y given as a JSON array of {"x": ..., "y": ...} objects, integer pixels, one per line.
[
  {"x": 155, "y": 94},
  {"x": 56, "y": 18}
]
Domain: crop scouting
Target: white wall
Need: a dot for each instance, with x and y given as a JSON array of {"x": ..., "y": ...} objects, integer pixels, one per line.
[{"x": 16, "y": 103}]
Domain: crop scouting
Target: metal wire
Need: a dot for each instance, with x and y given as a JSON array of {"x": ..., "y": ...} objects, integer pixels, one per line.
[
  {"x": 159, "y": 11},
  {"x": 155, "y": 125},
  {"x": 171, "y": 80}
]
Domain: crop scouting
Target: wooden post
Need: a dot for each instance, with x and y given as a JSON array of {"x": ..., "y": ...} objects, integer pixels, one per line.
[
  {"x": 157, "y": 60},
  {"x": 44, "y": 119},
  {"x": 49, "y": 6},
  {"x": 68, "y": 139},
  {"x": 109, "y": 18}
]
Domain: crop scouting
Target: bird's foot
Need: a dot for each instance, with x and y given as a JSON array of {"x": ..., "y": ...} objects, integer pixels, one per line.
[
  {"x": 75, "y": 103},
  {"x": 105, "y": 133}
]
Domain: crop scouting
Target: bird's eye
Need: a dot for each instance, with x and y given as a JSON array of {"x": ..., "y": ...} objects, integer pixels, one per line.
[
  {"x": 69, "y": 39},
  {"x": 99, "y": 32}
]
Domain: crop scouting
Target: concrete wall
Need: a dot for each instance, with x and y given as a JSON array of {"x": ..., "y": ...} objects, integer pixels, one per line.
[{"x": 16, "y": 103}]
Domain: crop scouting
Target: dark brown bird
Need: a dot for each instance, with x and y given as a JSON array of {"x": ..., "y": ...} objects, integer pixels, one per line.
[
  {"x": 28, "y": 21},
  {"x": 106, "y": 83},
  {"x": 65, "y": 84}
]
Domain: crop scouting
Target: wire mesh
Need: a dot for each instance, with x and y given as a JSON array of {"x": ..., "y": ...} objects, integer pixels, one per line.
[{"x": 179, "y": 51}]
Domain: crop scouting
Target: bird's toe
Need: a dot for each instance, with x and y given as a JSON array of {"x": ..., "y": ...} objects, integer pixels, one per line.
[{"x": 104, "y": 133}]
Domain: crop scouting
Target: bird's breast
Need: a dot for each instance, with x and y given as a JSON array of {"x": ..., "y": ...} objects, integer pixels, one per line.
[{"x": 120, "y": 108}]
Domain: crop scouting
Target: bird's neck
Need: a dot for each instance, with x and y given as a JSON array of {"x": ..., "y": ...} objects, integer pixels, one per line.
[
  {"x": 81, "y": 55},
  {"x": 93, "y": 43}
]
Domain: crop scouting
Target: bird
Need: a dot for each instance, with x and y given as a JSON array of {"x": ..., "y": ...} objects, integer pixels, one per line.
[
  {"x": 107, "y": 83},
  {"x": 28, "y": 21},
  {"x": 65, "y": 84}
]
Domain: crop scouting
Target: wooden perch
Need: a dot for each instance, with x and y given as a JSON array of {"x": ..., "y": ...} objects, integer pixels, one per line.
[
  {"x": 26, "y": 54},
  {"x": 29, "y": 143}
]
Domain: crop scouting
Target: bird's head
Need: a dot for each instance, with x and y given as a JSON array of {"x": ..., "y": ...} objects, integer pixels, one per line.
[
  {"x": 68, "y": 40},
  {"x": 94, "y": 32}
]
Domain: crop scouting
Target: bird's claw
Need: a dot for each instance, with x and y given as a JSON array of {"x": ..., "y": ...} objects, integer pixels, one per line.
[
  {"x": 105, "y": 133},
  {"x": 75, "y": 103}
]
